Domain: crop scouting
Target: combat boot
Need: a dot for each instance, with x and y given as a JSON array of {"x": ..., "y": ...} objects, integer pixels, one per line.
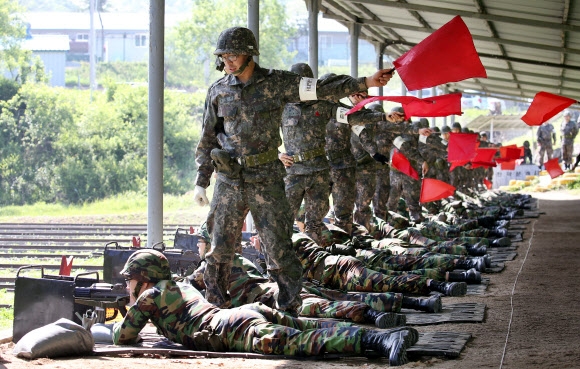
[
  {"x": 431, "y": 304},
  {"x": 478, "y": 263},
  {"x": 391, "y": 345},
  {"x": 501, "y": 242},
  {"x": 452, "y": 289},
  {"x": 479, "y": 249},
  {"x": 501, "y": 223},
  {"x": 384, "y": 319},
  {"x": 498, "y": 232},
  {"x": 486, "y": 221},
  {"x": 470, "y": 276}
]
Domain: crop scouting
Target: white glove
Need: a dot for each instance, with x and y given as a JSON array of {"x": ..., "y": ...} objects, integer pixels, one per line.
[{"x": 199, "y": 196}]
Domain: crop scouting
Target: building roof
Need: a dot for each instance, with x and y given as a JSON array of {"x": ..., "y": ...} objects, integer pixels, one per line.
[
  {"x": 47, "y": 43},
  {"x": 526, "y": 46}
]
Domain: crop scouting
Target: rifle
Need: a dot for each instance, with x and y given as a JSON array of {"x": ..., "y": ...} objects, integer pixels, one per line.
[{"x": 104, "y": 296}]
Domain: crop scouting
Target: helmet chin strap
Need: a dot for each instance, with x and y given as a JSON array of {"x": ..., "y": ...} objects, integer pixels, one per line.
[
  {"x": 137, "y": 289},
  {"x": 243, "y": 66}
]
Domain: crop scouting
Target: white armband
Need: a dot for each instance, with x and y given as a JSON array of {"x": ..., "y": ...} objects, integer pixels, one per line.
[
  {"x": 357, "y": 129},
  {"x": 341, "y": 117},
  {"x": 423, "y": 139},
  {"x": 399, "y": 141},
  {"x": 308, "y": 89}
]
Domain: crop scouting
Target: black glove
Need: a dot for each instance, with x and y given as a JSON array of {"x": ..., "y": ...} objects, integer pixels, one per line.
[{"x": 381, "y": 158}]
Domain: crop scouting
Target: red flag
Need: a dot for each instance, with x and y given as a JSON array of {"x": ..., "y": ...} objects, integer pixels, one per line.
[
  {"x": 508, "y": 153},
  {"x": 136, "y": 241},
  {"x": 484, "y": 157},
  {"x": 508, "y": 165},
  {"x": 402, "y": 164},
  {"x": 461, "y": 147},
  {"x": 65, "y": 265},
  {"x": 403, "y": 100},
  {"x": 457, "y": 163},
  {"x": 554, "y": 169},
  {"x": 544, "y": 106},
  {"x": 487, "y": 183},
  {"x": 442, "y": 106},
  {"x": 434, "y": 189},
  {"x": 447, "y": 55}
]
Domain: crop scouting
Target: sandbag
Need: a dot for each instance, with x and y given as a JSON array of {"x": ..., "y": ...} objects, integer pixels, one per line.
[
  {"x": 103, "y": 333},
  {"x": 61, "y": 338}
]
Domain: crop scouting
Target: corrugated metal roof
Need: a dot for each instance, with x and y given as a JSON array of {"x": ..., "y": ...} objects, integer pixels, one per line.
[{"x": 526, "y": 46}]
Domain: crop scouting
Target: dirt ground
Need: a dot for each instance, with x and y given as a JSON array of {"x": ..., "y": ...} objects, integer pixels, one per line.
[{"x": 531, "y": 316}]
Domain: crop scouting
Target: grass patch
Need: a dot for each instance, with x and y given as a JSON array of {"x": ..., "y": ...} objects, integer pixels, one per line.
[{"x": 6, "y": 318}]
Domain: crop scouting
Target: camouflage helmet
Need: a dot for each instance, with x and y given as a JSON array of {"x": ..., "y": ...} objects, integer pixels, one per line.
[
  {"x": 445, "y": 129},
  {"x": 376, "y": 106},
  {"x": 327, "y": 75},
  {"x": 302, "y": 69},
  {"x": 237, "y": 40},
  {"x": 147, "y": 265},
  {"x": 202, "y": 233},
  {"x": 566, "y": 112},
  {"x": 423, "y": 123},
  {"x": 436, "y": 129}
]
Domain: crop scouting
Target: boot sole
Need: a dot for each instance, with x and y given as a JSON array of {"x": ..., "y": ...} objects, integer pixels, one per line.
[
  {"x": 390, "y": 320},
  {"x": 456, "y": 289},
  {"x": 437, "y": 306},
  {"x": 408, "y": 334}
]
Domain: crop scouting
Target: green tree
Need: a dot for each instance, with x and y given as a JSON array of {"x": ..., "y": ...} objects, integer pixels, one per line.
[
  {"x": 191, "y": 44},
  {"x": 12, "y": 33}
]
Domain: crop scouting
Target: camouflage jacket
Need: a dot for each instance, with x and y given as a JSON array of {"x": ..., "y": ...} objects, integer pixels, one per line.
[
  {"x": 304, "y": 129},
  {"x": 177, "y": 310},
  {"x": 244, "y": 119},
  {"x": 569, "y": 132}
]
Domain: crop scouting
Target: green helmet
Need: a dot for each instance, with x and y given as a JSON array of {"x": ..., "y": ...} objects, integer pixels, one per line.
[
  {"x": 202, "y": 232},
  {"x": 423, "y": 123},
  {"x": 302, "y": 69},
  {"x": 237, "y": 40},
  {"x": 445, "y": 129},
  {"x": 147, "y": 265}
]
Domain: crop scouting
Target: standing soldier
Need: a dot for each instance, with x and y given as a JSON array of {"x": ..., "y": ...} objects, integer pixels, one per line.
[
  {"x": 307, "y": 169},
  {"x": 546, "y": 136},
  {"x": 569, "y": 132},
  {"x": 240, "y": 132}
]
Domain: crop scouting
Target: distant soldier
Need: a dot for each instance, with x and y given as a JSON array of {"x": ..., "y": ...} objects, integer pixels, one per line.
[
  {"x": 569, "y": 133},
  {"x": 546, "y": 136}
]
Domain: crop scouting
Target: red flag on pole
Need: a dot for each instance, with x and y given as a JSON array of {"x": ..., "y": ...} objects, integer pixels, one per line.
[
  {"x": 447, "y": 55},
  {"x": 509, "y": 153},
  {"x": 403, "y": 100},
  {"x": 402, "y": 164},
  {"x": 544, "y": 106},
  {"x": 461, "y": 147},
  {"x": 554, "y": 169},
  {"x": 487, "y": 183},
  {"x": 442, "y": 106},
  {"x": 434, "y": 189},
  {"x": 457, "y": 163}
]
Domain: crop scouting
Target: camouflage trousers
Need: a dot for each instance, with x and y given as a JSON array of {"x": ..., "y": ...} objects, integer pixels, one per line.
[
  {"x": 567, "y": 152},
  {"x": 350, "y": 274},
  {"x": 403, "y": 186},
  {"x": 273, "y": 220},
  {"x": 380, "y": 301},
  {"x": 545, "y": 149},
  {"x": 374, "y": 259},
  {"x": 259, "y": 329},
  {"x": 452, "y": 247},
  {"x": 313, "y": 189},
  {"x": 343, "y": 190},
  {"x": 365, "y": 190},
  {"x": 382, "y": 191}
]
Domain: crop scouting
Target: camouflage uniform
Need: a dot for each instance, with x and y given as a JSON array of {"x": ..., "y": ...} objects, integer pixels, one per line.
[
  {"x": 303, "y": 131},
  {"x": 248, "y": 285},
  {"x": 569, "y": 133},
  {"x": 401, "y": 184},
  {"x": 545, "y": 137},
  {"x": 363, "y": 147},
  {"x": 434, "y": 151},
  {"x": 350, "y": 274},
  {"x": 179, "y": 311},
  {"x": 244, "y": 120}
]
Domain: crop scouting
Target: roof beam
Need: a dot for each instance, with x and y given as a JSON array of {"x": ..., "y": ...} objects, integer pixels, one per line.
[
  {"x": 475, "y": 37},
  {"x": 531, "y": 74},
  {"x": 474, "y": 15}
]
